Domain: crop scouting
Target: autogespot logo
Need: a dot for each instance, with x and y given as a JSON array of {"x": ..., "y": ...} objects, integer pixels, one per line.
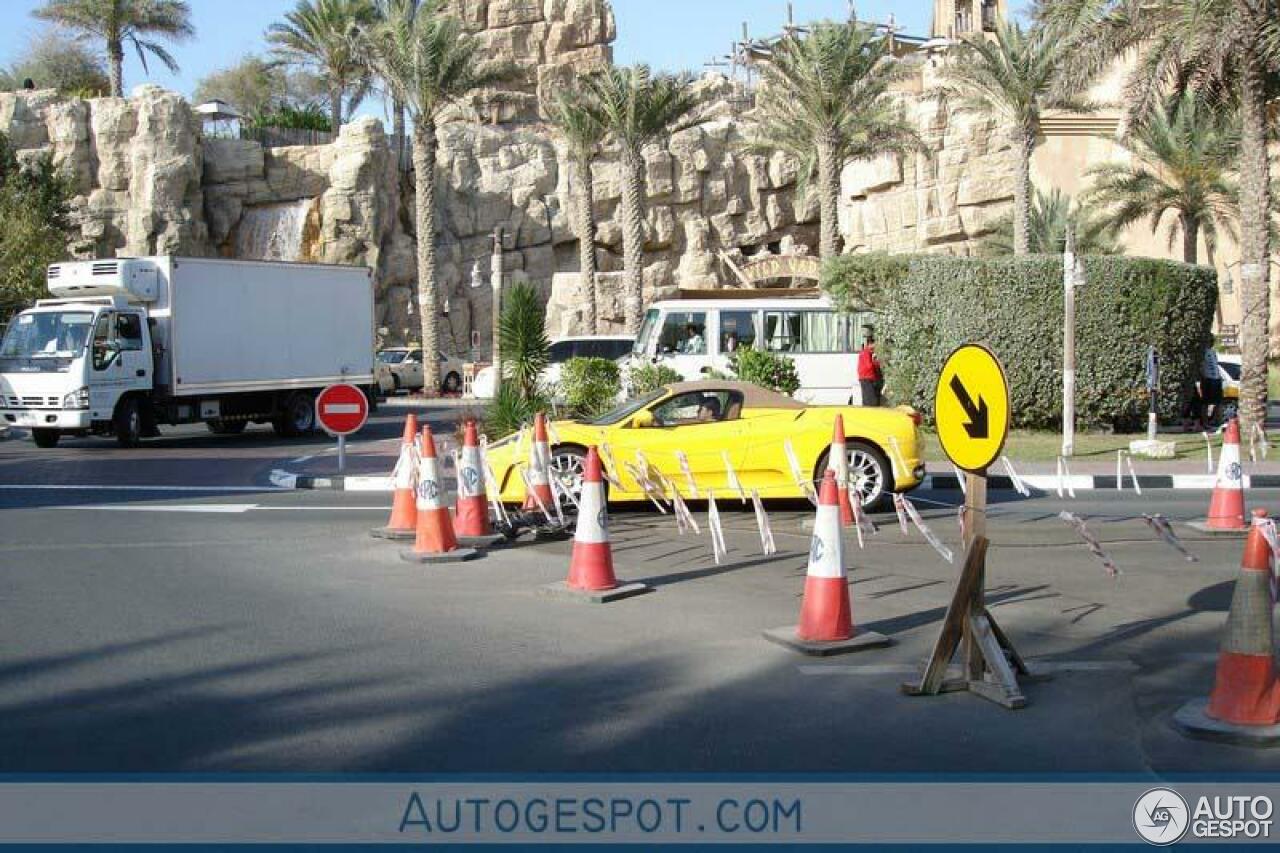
[{"x": 1161, "y": 817}]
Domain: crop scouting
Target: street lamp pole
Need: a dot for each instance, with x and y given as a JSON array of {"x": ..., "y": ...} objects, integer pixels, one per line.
[{"x": 495, "y": 280}]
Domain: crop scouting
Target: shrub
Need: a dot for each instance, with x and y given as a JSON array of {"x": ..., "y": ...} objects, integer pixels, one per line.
[
  {"x": 860, "y": 282},
  {"x": 34, "y": 225},
  {"x": 523, "y": 339},
  {"x": 650, "y": 377},
  {"x": 766, "y": 369},
  {"x": 510, "y": 409},
  {"x": 1014, "y": 306},
  {"x": 590, "y": 385}
]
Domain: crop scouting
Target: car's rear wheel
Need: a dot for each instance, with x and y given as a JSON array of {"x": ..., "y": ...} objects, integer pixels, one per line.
[{"x": 870, "y": 473}]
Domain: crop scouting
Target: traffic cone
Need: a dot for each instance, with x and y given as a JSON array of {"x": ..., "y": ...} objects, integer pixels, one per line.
[
  {"x": 403, "y": 523},
  {"x": 826, "y": 623},
  {"x": 838, "y": 463},
  {"x": 591, "y": 574},
  {"x": 1226, "y": 507},
  {"x": 471, "y": 518},
  {"x": 539, "y": 468},
  {"x": 436, "y": 541},
  {"x": 1244, "y": 706}
]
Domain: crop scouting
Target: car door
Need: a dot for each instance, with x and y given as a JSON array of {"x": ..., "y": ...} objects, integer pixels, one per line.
[
  {"x": 412, "y": 376},
  {"x": 680, "y": 428},
  {"x": 134, "y": 352},
  {"x": 106, "y": 371}
]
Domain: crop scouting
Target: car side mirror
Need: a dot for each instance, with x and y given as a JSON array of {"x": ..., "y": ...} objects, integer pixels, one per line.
[{"x": 643, "y": 419}]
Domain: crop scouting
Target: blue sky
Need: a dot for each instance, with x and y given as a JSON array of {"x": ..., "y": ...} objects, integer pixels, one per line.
[{"x": 668, "y": 34}]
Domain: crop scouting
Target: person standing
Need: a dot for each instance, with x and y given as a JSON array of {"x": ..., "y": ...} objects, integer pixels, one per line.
[
  {"x": 1210, "y": 389},
  {"x": 870, "y": 374}
]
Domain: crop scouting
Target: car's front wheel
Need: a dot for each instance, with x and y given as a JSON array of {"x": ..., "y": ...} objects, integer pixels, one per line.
[
  {"x": 569, "y": 466},
  {"x": 870, "y": 474}
]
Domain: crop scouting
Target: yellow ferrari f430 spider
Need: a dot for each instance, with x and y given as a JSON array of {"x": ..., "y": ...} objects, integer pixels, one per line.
[{"x": 703, "y": 431}]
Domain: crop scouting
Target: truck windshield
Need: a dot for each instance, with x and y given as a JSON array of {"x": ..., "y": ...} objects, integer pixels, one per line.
[
  {"x": 47, "y": 335},
  {"x": 644, "y": 339}
]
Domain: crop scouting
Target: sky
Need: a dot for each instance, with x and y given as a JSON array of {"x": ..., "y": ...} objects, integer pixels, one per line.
[{"x": 672, "y": 35}]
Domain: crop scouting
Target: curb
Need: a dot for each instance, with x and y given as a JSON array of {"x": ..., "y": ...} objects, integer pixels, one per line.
[{"x": 286, "y": 480}]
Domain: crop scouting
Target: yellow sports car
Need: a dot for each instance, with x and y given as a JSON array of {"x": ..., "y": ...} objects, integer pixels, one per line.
[{"x": 773, "y": 444}]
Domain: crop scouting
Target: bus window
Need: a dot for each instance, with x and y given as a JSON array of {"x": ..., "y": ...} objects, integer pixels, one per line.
[
  {"x": 782, "y": 331},
  {"x": 825, "y": 332},
  {"x": 684, "y": 332},
  {"x": 737, "y": 330}
]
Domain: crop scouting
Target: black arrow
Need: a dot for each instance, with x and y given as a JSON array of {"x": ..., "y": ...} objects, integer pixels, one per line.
[{"x": 979, "y": 423}]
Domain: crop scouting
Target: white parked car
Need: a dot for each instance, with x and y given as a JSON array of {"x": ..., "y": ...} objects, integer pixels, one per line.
[
  {"x": 404, "y": 367},
  {"x": 612, "y": 347}
]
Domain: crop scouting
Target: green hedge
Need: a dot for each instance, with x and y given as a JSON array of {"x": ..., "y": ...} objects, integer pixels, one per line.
[
  {"x": 1014, "y": 306},
  {"x": 590, "y": 385},
  {"x": 767, "y": 369}
]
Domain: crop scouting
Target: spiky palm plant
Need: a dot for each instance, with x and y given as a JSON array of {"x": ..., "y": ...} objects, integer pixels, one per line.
[
  {"x": 637, "y": 107},
  {"x": 117, "y": 23},
  {"x": 825, "y": 100},
  {"x": 1013, "y": 78},
  {"x": 1182, "y": 155},
  {"x": 430, "y": 63},
  {"x": 582, "y": 133},
  {"x": 323, "y": 35},
  {"x": 522, "y": 331},
  {"x": 1052, "y": 213},
  {"x": 1224, "y": 49}
]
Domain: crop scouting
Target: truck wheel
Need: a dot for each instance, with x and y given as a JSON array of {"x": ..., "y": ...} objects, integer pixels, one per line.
[
  {"x": 297, "y": 416},
  {"x": 220, "y": 427},
  {"x": 45, "y": 438},
  {"x": 128, "y": 422}
]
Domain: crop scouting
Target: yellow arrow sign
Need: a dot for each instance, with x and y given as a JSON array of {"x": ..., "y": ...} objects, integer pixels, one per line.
[{"x": 971, "y": 406}]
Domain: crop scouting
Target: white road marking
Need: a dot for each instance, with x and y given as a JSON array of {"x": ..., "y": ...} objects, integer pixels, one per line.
[{"x": 211, "y": 509}]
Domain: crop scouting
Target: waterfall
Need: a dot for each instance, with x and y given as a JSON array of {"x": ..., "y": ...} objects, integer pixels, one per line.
[{"x": 272, "y": 232}]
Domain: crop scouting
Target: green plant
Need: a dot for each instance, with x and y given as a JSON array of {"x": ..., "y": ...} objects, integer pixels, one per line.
[
  {"x": 522, "y": 336},
  {"x": 34, "y": 225},
  {"x": 644, "y": 378},
  {"x": 54, "y": 59},
  {"x": 583, "y": 134},
  {"x": 590, "y": 385},
  {"x": 510, "y": 409},
  {"x": 767, "y": 369},
  {"x": 860, "y": 282},
  {"x": 321, "y": 35},
  {"x": 293, "y": 118},
  {"x": 1052, "y": 213},
  {"x": 1014, "y": 306}
]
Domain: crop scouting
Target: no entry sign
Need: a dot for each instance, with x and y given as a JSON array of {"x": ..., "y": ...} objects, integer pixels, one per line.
[{"x": 342, "y": 409}]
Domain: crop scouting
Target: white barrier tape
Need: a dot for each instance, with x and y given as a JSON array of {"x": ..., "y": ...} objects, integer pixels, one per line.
[
  {"x": 861, "y": 523},
  {"x": 767, "y": 545},
  {"x": 528, "y": 484},
  {"x": 553, "y": 435},
  {"x": 646, "y": 486},
  {"x": 961, "y": 479},
  {"x": 901, "y": 510},
  {"x": 1094, "y": 546},
  {"x": 961, "y": 515},
  {"x": 809, "y": 492},
  {"x": 558, "y": 493},
  {"x": 1133, "y": 475},
  {"x": 681, "y": 507},
  {"x": 1064, "y": 478},
  {"x": 718, "y": 549},
  {"x": 1258, "y": 433},
  {"x": 681, "y": 527},
  {"x": 794, "y": 462},
  {"x": 731, "y": 477},
  {"x": 1268, "y": 527},
  {"x": 943, "y": 550},
  {"x": 688, "y": 473},
  {"x": 1164, "y": 530},
  {"x": 1208, "y": 446},
  {"x": 1018, "y": 486},
  {"x": 898, "y": 457},
  {"x": 610, "y": 468}
]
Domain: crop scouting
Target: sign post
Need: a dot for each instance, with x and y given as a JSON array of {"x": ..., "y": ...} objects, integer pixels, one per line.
[
  {"x": 342, "y": 410},
  {"x": 971, "y": 405}
]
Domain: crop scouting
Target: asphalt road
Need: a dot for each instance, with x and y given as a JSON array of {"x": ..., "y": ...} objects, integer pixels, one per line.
[{"x": 202, "y": 621}]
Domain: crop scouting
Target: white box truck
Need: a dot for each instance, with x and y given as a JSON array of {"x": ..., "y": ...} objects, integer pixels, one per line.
[{"x": 128, "y": 344}]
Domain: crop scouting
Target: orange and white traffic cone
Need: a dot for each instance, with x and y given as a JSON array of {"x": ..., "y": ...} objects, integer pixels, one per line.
[
  {"x": 1244, "y": 706},
  {"x": 403, "y": 523},
  {"x": 471, "y": 518},
  {"x": 826, "y": 621},
  {"x": 591, "y": 574},
  {"x": 1226, "y": 507},
  {"x": 838, "y": 463},
  {"x": 436, "y": 541},
  {"x": 539, "y": 469}
]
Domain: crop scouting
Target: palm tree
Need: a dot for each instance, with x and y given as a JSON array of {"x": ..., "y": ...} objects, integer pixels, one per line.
[
  {"x": 1225, "y": 48},
  {"x": 387, "y": 10},
  {"x": 637, "y": 107},
  {"x": 1012, "y": 78},
  {"x": 324, "y": 35},
  {"x": 430, "y": 63},
  {"x": 825, "y": 101},
  {"x": 583, "y": 134},
  {"x": 1182, "y": 154},
  {"x": 125, "y": 22},
  {"x": 1052, "y": 214}
]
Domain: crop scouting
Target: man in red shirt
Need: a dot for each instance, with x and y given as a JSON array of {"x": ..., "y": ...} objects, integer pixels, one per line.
[{"x": 870, "y": 376}]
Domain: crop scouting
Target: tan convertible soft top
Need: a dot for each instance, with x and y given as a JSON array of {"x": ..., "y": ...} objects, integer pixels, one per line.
[{"x": 753, "y": 396}]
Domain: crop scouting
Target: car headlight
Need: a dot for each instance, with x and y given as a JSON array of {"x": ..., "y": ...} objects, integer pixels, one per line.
[{"x": 77, "y": 399}]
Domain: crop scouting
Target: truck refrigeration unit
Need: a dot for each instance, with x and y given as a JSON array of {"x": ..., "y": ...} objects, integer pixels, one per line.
[{"x": 128, "y": 344}]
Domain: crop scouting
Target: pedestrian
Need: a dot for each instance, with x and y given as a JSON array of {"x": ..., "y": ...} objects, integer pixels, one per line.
[
  {"x": 1210, "y": 388},
  {"x": 870, "y": 374}
]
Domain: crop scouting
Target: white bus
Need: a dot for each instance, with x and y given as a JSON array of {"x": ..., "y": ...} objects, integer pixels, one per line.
[{"x": 696, "y": 334}]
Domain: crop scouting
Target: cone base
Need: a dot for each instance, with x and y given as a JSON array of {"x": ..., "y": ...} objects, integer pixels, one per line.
[
  {"x": 457, "y": 555},
  {"x": 860, "y": 641},
  {"x": 1193, "y": 720},
  {"x": 490, "y": 541},
  {"x": 1204, "y": 527},
  {"x": 606, "y": 596},
  {"x": 394, "y": 534}
]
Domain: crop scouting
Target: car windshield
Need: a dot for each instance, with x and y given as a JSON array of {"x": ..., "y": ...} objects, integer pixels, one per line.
[
  {"x": 391, "y": 356},
  {"x": 628, "y": 408},
  {"x": 49, "y": 334},
  {"x": 1231, "y": 369}
]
